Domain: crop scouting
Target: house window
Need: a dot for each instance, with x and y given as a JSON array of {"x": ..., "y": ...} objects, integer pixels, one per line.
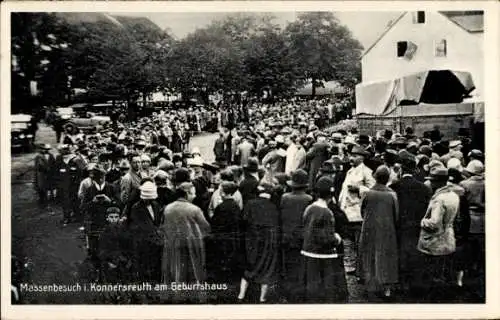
[
  {"x": 402, "y": 47},
  {"x": 406, "y": 49},
  {"x": 440, "y": 48},
  {"x": 420, "y": 16}
]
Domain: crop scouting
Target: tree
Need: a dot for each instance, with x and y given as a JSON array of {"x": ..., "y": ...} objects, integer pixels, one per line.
[
  {"x": 38, "y": 45},
  {"x": 269, "y": 63},
  {"x": 326, "y": 49}
]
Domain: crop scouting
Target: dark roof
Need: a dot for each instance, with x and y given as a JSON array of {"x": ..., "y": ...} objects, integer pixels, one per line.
[{"x": 471, "y": 21}]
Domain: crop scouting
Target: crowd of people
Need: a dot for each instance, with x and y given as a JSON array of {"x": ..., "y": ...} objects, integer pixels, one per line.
[{"x": 285, "y": 206}]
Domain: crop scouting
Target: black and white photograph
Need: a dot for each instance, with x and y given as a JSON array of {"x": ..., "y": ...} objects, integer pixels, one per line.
[{"x": 247, "y": 157}]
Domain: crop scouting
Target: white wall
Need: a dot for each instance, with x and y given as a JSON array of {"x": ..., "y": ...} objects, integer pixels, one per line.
[{"x": 464, "y": 50}]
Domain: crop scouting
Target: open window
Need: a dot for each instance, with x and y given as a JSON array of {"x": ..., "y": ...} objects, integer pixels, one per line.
[{"x": 406, "y": 49}]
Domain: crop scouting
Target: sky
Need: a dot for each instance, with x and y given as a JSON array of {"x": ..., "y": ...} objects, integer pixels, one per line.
[{"x": 181, "y": 24}]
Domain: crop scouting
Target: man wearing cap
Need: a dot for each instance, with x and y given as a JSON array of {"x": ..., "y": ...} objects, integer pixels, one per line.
[
  {"x": 455, "y": 148},
  {"x": 413, "y": 198},
  {"x": 475, "y": 193},
  {"x": 358, "y": 181},
  {"x": 67, "y": 181},
  {"x": 145, "y": 218},
  {"x": 44, "y": 174},
  {"x": 95, "y": 201},
  {"x": 437, "y": 237}
]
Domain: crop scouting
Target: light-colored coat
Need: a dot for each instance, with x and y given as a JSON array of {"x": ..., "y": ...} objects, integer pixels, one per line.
[
  {"x": 350, "y": 202},
  {"x": 437, "y": 237}
]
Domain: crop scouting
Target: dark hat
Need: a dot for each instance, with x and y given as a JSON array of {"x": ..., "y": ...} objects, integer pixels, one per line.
[
  {"x": 252, "y": 165},
  {"x": 401, "y": 141},
  {"x": 229, "y": 187},
  {"x": 328, "y": 167},
  {"x": 212, "y": 167},
  {"x": 113, "y": 210},
  {"x": 282, "y": 178},
  {"x": 165, "y": 165},
  {"x": 388, "y": 134},
  {"x": 463, "y": 132},
  {"x": 407, "y": 159},
  {"x": 476, "y": 154},
  {"x": 177, "y": 157},
  {"x": 227, "y": 175},
  {"x": 438, "y": 174},
  {"x": 325, "y": 184},
  {"x": 363, "y": 139},
  {"x": 425, "y": 150},
  {"x": 391, "y": 156},
  {"x": 181, "y": 175},
  {"x": 299, "y": 179},
  {"x": 359, "y": 151},
  {"x": 98, "y": 169},
  {"x": 455, "y": 176}
]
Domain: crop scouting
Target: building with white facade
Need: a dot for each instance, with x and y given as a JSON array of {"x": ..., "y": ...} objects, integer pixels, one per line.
[{"x": 421, "y": 40}]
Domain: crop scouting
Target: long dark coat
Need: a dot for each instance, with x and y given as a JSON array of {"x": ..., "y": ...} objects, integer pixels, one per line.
[
  {"x": 261, "y": 220},
  {"x": 248, "y": 188},
  {"x": 223, "y": 247},
  {"x": 413, "y": 199},
  {"x": 292, "y": 209},
  {"x": 147, "y": 240},
  {"x": 44, "y": 172},
  {"x": 378, "y": 247},
  {"x": 219, "y": 149}
]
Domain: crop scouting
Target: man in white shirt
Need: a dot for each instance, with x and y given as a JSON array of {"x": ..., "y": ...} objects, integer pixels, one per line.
[
  {"x": 358, "y": 181},
  {"x": 291, "y": 163}
]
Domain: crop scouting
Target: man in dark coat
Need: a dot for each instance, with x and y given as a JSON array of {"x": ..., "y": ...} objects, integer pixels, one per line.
[
  {"x": 44, "y": 174},
  {"x": 413, "y": 198},
  {"x": 145, "y": 219},
  {"x": 96, "y": 200},
  {"x": 219, "y": 148},
  {"x": 248, "y": 186},
  {"x": 292, "y": 207},
  {"x": 315, "y": 158},
  {"x": 68, "y": 181}
]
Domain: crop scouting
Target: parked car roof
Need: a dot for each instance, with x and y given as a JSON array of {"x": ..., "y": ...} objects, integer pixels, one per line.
[{"x": 20, "y": 117}]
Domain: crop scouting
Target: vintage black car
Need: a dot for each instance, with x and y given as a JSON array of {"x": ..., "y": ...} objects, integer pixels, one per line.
[{"x": 22, "y": 132}]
